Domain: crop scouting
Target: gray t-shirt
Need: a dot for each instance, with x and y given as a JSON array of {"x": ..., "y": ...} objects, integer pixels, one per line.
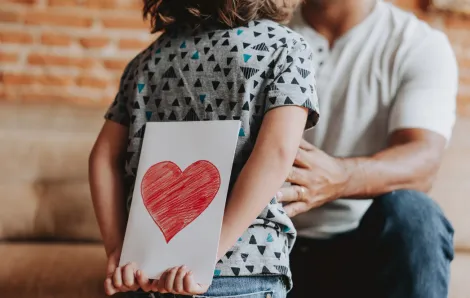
[{"x": 210, "y": 74}]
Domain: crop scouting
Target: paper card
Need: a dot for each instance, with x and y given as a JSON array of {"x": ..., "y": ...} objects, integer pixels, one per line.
[{"x": 179, "y": 197}]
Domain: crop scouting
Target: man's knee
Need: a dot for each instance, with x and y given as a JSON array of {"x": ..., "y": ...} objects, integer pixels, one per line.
[{"x": 416, "y": 223}]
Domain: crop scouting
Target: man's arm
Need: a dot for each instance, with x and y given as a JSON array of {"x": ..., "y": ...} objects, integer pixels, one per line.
[
  {"x": 420, "y": 124},
  {"x": 411, "y": 162}
]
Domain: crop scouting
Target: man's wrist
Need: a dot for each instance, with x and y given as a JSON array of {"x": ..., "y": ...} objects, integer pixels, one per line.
[{"x": 355, "y": 179}]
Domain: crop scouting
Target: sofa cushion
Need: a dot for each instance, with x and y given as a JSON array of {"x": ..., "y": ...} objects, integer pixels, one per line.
[
  {"x": 52, "y": 270},
  {"x": 48, "y": 210},
  {"x": 43, "y": 183}
]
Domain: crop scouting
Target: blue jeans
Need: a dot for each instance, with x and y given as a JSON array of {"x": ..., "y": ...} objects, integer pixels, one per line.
[
  {"x": 402, "y": 249},
  {"x": 235, "y": 287}
]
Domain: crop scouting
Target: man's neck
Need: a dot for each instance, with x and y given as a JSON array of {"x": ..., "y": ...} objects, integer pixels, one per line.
[{"x": 333, "y": 18}]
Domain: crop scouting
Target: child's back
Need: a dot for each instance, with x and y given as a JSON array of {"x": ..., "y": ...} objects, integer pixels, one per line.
[
  {"x": 210, "y": 73},
  {"x": 229, "y": 74}
]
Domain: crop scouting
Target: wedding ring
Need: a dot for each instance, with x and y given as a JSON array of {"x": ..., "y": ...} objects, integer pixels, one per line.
[{"x": 302, "y": 193}]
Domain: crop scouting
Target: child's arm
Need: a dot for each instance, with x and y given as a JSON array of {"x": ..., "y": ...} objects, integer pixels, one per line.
[
  {"x": 264, "y": 173},
  {"x": 106, "y": 184}
]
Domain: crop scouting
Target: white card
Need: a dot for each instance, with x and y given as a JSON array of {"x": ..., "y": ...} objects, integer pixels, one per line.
[{"x": 179, "y": 197}]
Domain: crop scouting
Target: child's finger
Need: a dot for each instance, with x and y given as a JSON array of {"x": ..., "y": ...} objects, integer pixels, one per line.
[
  {"x": 128, "y": 275},
  {"x": 170, "y": 280},
  {"x": 109, "y": 289},
  {"x": 178, "y": 285},
  {"x": 117, "y": 278},
  {"x": 191, "y": 287},
  {"x": 143, "y": 281},
  {"x": 161, "y": 283},
  {"x": 155, "y": 286}
]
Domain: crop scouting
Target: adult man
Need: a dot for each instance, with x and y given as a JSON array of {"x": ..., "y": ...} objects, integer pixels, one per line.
[{"x": 387, "y": 85}]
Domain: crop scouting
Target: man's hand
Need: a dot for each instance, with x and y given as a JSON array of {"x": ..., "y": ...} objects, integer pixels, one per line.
[
  {"x": 317, "y": 179},
  {"x": 120, "y": 279}
]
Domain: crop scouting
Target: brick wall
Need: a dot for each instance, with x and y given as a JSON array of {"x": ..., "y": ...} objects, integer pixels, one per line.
[
  {"x": 74, "y": 50},
  {"x": 67, "y": 50}
]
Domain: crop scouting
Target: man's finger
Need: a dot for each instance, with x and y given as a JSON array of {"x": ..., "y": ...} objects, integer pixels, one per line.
[
  {"x": 128, "y": 275},
  {"x": 306, "y": 145},
  {"x": 143, "y": 281},
  {"x": 303, "y": 159},
  {"x": 296, "y": 208},
  {"x": 109, "y": 288},
  {"x": 298, "y": 176},
  {"x": 289, "y": 194}
]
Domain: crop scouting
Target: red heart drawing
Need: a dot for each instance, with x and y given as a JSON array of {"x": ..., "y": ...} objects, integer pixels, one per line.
[{"x": 174, "y": 198}]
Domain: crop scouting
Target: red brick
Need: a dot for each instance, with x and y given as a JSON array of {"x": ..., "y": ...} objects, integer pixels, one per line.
[
  {"x": 94, "y": 42},
  {"x": 93, "y": 82},
  {"x": 463, "y": 105},
  {"x": 115, "y": 64},
  {"x": 54, "y": 39},
  {"x": 464, "y": 80},
  {"x": 44, "y": 97},
  {"x": 73, "y": 3},
  {"x": 44, "y": 59},
  {"x": 97, "y": 4},
  {"x": 30, "y": 2},
  {"x": 464, "y": 62},
  {"x": 407, "y": 4},
  {"x": 8, "y": 57},
  {"x": 104, "y": 4},
  {"x": 28, "y": 79},
  {"x": 15, "y": 37},
  {"x": 11, "y": 16},
  {"x": 116, "y": 22},
  {"x": 133, "y": 44},
  {"x": 454, "y": 21},
  {"x": 57, "y": 19}
]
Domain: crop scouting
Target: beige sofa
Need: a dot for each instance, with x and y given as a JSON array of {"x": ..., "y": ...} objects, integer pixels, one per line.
[{"x": 50, "y": 245}]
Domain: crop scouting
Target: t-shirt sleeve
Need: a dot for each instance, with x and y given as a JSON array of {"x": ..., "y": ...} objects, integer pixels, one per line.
[
  {"x": 118, "y": 111},
  {"x": 426, "y": 98},
  {"x": 294, "y": 82}
]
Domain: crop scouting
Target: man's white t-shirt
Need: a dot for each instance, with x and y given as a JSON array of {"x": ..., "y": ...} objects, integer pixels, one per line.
[{"x": 390, "y": 72}]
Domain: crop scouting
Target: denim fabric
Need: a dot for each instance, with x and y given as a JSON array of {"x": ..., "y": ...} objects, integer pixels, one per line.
[
  {"x": 234, "y": 287},
  {"x": 402, "y": 249}
]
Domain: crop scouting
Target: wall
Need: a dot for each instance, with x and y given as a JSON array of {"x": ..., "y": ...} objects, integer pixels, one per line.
[
  {"x": 67, "y": 50},
  {"x": 74, "y": 50}
]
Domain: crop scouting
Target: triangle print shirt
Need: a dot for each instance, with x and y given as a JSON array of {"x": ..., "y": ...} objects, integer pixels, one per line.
[{"x": 233, "y": 74}]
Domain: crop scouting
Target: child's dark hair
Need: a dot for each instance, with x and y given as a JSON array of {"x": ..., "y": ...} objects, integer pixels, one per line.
[{"x": 229, "y": 13}]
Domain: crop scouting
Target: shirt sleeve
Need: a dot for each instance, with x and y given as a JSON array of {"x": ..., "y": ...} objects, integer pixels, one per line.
[
  {"x": 426, "y": 98},
  {"x": 295, "y": 82},
  {"x": 118, "y": 111}
]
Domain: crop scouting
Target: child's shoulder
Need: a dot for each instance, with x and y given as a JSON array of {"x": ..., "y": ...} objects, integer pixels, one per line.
[
  {"x": 267, "y": 29},
  {"x": 275, "y": 36}
]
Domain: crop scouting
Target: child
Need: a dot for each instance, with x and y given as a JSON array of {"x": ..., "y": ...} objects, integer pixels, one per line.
[{"x": 217, "y": 60}]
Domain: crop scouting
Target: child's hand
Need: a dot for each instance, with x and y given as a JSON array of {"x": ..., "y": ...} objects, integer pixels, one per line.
[
  {"x": 178, "y": 280},
  {"x": 120, "y": 279}
]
